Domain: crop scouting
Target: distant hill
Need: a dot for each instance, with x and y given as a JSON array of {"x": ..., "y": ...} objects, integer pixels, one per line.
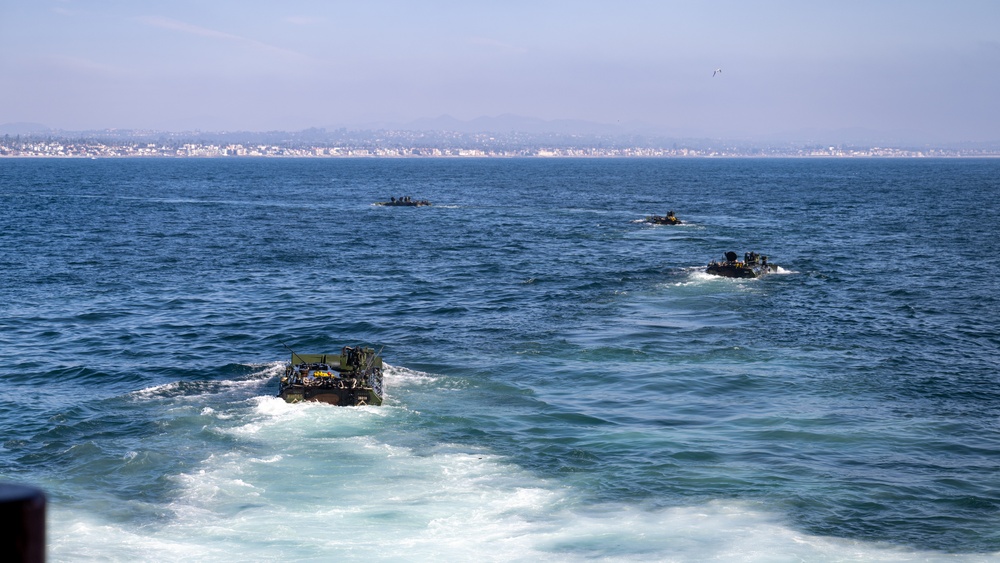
[
  {"x": 23, "y": 128},
  {"x": 852, "y": 136},
  {"x": 509, "y": 123}
]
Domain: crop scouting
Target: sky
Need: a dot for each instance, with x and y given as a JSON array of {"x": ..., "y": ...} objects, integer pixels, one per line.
[{"x": 919, "y": 70}]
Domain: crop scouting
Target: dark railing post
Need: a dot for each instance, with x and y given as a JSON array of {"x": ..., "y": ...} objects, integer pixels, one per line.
[{"x": 22, "y": 524}]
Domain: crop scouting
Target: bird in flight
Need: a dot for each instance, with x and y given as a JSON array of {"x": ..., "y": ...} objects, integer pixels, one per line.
[{"x": 717, "y": 71}]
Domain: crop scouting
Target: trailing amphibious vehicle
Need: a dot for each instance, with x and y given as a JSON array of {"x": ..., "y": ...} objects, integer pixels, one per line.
[
  {"x": 668, "y": 219},
  {"x": 753, "y": 265},
  {"x": 352, "y": 377},
  {"x": 406, "y": 201}
]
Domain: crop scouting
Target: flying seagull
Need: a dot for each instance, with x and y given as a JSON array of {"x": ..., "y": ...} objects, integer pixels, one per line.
[{"x": 717, "y": 71}]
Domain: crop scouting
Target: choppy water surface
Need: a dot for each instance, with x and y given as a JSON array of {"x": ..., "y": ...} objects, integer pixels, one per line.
[{"x": 564, "y": 382}]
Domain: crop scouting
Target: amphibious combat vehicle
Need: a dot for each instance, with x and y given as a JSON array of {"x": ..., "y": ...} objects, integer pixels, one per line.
[
  {"x": 404, "y": 202},
  {"x": 753, "y": 265},
  {"x": 668, "y": 219},
  {"x": 352, "y": 377}
]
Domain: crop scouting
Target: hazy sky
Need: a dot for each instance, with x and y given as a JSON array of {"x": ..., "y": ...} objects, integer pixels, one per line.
[{"x": 928, "y": 70}]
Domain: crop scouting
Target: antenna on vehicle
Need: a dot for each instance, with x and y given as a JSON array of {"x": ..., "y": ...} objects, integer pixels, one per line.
[
  {"x": 293, "y": 353},
  {"x": 372, "y": 360}
]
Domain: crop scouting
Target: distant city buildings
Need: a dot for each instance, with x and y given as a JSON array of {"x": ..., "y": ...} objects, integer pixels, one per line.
[{"x": 405, "y": 144}]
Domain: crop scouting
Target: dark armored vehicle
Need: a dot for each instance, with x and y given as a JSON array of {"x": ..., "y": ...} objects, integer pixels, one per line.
[
  {"x": 353, "y": 377},
  {"x": 668, "y": 219},
  {"x": 404, "y": 202},
  {"x": 753, "y": 266}
]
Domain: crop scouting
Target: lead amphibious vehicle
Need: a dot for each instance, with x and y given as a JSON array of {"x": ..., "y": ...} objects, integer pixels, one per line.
[{"x": 352, "y": 377}]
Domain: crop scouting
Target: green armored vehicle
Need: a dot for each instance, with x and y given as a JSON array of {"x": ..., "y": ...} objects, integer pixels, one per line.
[
  {"x": 406, "y": 201},
  {"x": 753, "y": 266},
  {"x": 353, "y": 377},
  {"x": 668, "y": 219}
]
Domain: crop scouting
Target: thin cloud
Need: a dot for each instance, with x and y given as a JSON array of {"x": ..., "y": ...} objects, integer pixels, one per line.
[
  {"x": 80, "y": 65},
  {"x": 304, "y": 20},
  {"x": 191, "y": 29},
  {"x": 497, "y": 45}
]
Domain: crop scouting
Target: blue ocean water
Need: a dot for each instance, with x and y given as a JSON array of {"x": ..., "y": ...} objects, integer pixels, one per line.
[{"x": 564, "y": 381}]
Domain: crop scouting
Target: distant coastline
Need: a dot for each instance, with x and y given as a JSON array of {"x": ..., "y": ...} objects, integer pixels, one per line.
[
  {"x": 415, "y": 144},
  {"x": 59, "y": 150}
]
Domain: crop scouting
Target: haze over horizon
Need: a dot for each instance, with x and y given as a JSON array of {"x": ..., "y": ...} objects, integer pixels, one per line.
[{"x": 920, "y": 71}]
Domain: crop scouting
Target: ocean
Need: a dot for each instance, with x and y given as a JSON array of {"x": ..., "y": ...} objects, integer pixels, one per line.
[{"x": 563, "y": 383}]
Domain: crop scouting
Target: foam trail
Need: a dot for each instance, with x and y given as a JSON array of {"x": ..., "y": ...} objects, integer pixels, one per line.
[{"x": 313, "y": 485}]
